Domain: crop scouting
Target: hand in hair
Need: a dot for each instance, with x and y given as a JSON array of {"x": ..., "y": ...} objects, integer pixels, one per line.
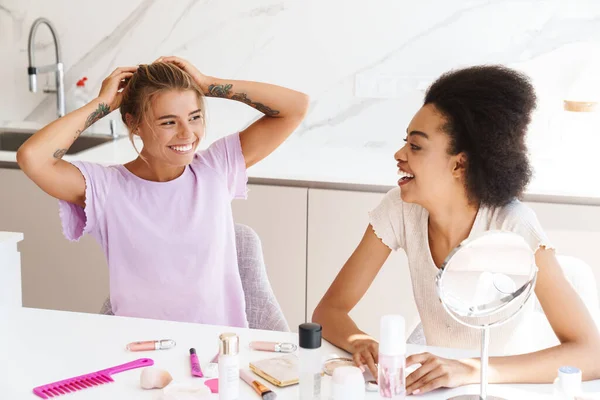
[
  {"x": 199, "y": 77},
  {"x": 111, "y": 91},
  {"x": 40, "y": 157},
  {"x": 283, "y": 108}
]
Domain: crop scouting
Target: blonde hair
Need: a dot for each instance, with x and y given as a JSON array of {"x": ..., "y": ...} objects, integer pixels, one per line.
[{"x": 148, "y": 81}]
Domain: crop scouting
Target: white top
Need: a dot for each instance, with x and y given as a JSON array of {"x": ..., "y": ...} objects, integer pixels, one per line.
[
  {"x": 403, "y": 225},
  {"x": 42, "y": 346}
]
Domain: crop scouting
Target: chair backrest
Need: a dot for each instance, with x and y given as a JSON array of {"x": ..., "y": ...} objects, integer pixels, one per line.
[{"x": 262, "y": 309}]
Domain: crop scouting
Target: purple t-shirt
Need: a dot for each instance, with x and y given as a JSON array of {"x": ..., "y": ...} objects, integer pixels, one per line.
[{"x": 170, "y": 246}]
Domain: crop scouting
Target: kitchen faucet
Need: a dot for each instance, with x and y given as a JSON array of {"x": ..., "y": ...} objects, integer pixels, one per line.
[{"x": 57, "y": 68}]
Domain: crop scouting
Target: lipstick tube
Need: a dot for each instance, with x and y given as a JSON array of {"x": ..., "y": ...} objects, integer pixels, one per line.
[
  {"x": 274, "y": 347},
  {"x": 148, "y": 345},
  {"x": 195, "y": 364}
]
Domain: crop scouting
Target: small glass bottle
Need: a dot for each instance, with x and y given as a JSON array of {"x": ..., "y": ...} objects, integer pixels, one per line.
[
  {"x": 567, "y": 384},
  {"x": 310, "y": 361},
  {"x": 392, "y": 358},
  {"x": 229, "y": 367}
]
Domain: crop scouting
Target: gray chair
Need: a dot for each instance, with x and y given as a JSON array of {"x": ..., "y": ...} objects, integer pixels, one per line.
[{"x": 262, "y": 309}]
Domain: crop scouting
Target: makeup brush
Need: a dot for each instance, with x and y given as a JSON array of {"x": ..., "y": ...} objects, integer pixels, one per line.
[{"x": 259, "y": 388}]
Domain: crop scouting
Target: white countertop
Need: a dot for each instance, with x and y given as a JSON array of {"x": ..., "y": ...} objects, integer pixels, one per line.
[
  {"x": 43, "y": 346},
  {"x": 10, "y": 237},
  {"x": 366, "y": 169}
]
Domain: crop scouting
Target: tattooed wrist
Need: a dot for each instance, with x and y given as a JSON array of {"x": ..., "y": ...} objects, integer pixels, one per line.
[
  {"x": 224, "y": 91},
  {"x": 219, "y": 90},
  {"x": 102, "y": 111},
  {"x": 58, "y": 154}
]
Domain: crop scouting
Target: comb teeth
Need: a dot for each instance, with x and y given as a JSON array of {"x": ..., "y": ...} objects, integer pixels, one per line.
[
  {"x": 72, "y": 385},
  {"x": 88, "y": 380}
]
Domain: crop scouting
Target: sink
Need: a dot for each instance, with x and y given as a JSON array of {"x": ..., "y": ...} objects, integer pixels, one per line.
[{"x": 11, "y": 141}]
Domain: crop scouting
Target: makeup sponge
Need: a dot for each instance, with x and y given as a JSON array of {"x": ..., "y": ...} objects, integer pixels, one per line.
[{"x": 154, "y": 378}]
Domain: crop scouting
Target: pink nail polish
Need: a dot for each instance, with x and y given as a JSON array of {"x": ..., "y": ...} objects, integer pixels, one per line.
[{"x": 416, "y": 391}]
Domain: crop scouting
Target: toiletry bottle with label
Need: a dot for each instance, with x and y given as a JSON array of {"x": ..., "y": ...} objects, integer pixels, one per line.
[
  {"x": 229, "y": 367},
  {"x": 567, "y": 384},
  {"x": 310, "y": 361},
  {"x": 392, "y": 358}
]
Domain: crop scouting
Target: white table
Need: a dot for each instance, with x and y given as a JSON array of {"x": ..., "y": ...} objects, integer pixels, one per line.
[{"x": 43, "y": 346}]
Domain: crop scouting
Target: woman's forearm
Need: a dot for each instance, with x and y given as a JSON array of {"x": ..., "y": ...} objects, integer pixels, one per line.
[
  {"x": 542, "y": 366},
  {"x": 51, "y": 143},
  {"x": 271, "y": 100},
  {"x": 338, "y": 328}
]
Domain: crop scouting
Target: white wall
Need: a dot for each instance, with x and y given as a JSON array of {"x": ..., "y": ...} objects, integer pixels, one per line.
[{"x": 318, "y": 46}]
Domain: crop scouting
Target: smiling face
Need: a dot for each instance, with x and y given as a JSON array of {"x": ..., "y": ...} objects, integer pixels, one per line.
[
  {"x": 172, "y": 128},
  {"x": 428, "y": 173},
  {"x": 163, "y": 105}
]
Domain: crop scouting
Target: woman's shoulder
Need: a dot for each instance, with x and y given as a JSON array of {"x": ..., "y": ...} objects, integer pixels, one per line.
[
  {"x": 514, "y": 211},
  {"x": 392, "y": 217},
  {"x": 99, "y": 172},
  {"x": 394, "y": 203},
  {"x": 399, "y": 213},
  {"x": 518, "y": 217}
]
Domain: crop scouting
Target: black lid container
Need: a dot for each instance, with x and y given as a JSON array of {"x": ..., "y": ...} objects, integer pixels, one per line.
[{"x": 310, "y": 335}]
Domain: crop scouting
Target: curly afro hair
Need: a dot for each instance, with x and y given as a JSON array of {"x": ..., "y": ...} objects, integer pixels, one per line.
[{"x": 487, "y": 110}]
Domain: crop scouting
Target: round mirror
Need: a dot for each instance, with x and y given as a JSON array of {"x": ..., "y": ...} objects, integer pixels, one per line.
[{"x": 484, "y": 282}]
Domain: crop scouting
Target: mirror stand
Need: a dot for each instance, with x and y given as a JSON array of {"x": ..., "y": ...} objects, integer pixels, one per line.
[{"x": 485, "y": 344}]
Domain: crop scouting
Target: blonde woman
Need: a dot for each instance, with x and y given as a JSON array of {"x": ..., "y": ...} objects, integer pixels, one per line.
[{"x": 164, "y": 220}]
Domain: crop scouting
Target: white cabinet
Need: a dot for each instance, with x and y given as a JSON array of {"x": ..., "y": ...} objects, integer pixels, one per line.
[
  {"x": 278, "y": 215},
  {"x": 57, "y": 274},
  {"x": 337, "y": 221},
  {"x": 10, "y": 271}
]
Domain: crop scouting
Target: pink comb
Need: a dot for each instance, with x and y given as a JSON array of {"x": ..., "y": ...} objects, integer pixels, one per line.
[{"x": 88, "y": 380}]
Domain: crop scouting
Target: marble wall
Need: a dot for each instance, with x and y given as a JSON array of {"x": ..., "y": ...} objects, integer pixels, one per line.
[{"x": 327, "y": 48}]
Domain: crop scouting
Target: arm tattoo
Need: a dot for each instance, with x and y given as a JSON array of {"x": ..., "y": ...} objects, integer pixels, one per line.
[
  {"x": 225, "y": 92},
  {"x": 58, "y": 154},
  {"x": 102, "y": 111},
  {"x": 259, "y": 106},
  {"x": 219, "y": 90}
]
